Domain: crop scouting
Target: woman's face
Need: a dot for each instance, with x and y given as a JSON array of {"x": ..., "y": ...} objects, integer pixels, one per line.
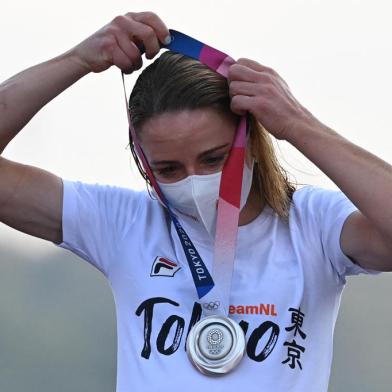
[{"x": 182, "y": 143}]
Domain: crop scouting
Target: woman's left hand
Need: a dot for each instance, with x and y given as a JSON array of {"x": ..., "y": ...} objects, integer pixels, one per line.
[{"x": 261, "y": 91}]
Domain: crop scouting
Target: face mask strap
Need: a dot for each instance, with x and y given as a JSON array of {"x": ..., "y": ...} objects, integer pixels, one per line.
[
  {"x": 138, "y": 164},
  {"x": 138, "y": 154}
]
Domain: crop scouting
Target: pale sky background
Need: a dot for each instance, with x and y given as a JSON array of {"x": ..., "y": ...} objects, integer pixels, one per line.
[{"x": 335, "y": 55}]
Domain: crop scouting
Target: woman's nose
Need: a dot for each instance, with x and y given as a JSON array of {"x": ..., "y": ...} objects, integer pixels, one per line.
[{"x": 190, "y": 171}]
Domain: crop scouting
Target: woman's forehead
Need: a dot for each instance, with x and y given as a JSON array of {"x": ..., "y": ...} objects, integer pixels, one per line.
[{"x": 186, "y": 130}]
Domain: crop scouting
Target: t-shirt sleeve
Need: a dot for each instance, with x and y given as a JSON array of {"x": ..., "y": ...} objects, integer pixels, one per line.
[
  {"x": 328, "y": 210},
  {"x": 94, "y": 219}
]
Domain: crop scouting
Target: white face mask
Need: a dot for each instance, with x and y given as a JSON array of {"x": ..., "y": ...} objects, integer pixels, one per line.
[{"x": 197, "y": 196}]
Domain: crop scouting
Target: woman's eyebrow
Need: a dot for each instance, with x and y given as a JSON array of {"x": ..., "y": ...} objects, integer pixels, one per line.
[
  {"x": 165, "y": 162},
  {"x": 201, "y": 155},
  {"x": 213, "y": 150}
]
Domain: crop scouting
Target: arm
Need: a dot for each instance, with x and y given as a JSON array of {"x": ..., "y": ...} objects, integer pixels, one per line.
[
  {"x": 364, "y": 178},
  {"x": 31, "y": 198},
  {"x": 23, "y": 95}
]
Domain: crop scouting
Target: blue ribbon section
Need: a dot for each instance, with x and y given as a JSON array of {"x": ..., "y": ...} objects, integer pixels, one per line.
[
  {"x": 200, "y": 274},
  {"x": 184, "y": 44}
]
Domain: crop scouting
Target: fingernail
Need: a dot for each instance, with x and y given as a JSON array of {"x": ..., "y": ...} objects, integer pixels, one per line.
[{"x": 167, "y": 40}]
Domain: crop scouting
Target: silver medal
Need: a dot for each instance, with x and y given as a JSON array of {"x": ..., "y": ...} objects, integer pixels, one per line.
[{"x": 216, "y": 345}]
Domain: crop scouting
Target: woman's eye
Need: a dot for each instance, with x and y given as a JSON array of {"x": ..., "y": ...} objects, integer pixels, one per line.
[
  {"x": 166, "y": 171},
  {"x": 214, "y": 160}
]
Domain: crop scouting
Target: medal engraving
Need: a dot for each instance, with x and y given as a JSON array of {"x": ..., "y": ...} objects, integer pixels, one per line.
[
  {"x": 215, "y": 338},
  {"x": 215, "y": 341},
  {"x": 216, "y": 345}
]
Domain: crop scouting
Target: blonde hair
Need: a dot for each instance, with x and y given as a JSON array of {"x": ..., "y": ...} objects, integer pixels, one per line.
[
  {"x": 174, "y": 82},
  {"x": 271, "y": 179}
]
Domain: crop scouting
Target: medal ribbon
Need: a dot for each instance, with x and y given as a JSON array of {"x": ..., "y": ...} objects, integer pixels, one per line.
[{"x": 216, "y": 293}]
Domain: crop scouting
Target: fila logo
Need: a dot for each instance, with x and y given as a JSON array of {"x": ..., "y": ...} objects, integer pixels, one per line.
[{"x": 164, "y": 267}]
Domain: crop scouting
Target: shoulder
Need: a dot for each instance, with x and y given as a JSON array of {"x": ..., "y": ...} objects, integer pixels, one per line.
[
  {"x": 320, "y": 213},
  {"x": 106, "y": 198},
  {"x": 319, "y": 200},
  {"x": 309, "y": 193},
  {"x": 96, "y": 189},
  {"x": 109, "y": 206},
  {"x": 318, "y": 208}
]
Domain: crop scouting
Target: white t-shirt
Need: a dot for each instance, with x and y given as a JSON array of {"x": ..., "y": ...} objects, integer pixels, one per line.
[{"x": 286, "y": 289}]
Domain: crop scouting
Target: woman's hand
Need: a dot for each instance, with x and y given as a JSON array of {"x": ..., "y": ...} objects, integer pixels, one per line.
[
  {"x": 117, "y": 42},
  {"x": 261, "y": 91}
]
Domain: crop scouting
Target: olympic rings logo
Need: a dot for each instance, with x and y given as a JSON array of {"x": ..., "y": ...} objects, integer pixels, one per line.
[{"x": 211, "y": 305}]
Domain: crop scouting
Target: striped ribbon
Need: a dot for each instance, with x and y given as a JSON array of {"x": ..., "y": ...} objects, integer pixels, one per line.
[{"x": 230, "y": 187}]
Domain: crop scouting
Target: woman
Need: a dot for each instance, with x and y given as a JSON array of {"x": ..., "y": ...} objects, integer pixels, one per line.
[{"x": 294, "y": 247}]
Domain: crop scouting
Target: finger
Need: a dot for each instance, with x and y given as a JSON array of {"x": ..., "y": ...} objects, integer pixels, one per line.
[
  {"x": 243, "y": 73},
  {"x": 154, "y": 21},
  {"x": 240, "y": 104},
  {"x": 121, "y": 60},
  {"x": 255, "y": 65},
  {"x": 262, "y": 68},
  {"x": 139, "y": 33},
  {"x": 146, "y": 35},
  {"x": 130, "y": 49},
  {"x": 244, "y": 88}
]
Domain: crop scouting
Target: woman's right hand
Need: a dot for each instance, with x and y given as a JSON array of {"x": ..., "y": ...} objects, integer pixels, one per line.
[{"x": 117, "y": 42}]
